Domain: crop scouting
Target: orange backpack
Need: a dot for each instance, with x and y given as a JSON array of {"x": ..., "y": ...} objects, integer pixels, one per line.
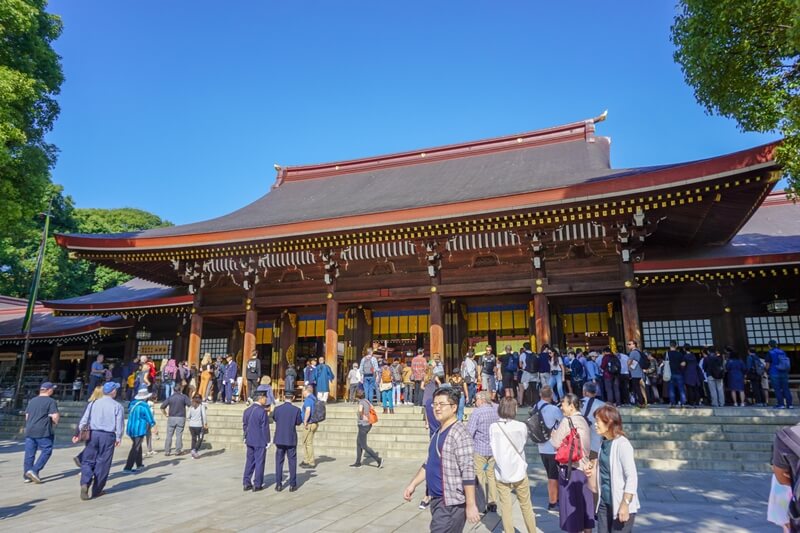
[{"x": 386, "y": 375}]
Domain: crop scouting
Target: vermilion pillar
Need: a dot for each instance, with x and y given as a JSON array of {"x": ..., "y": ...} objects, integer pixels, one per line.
[
  {"x": 436, "y": 329},
  {"x": 195, "y": 336},
  {"x": 249, "y": 344},
  {"x": 541, "y": 317},
  {"x": 332, "y": 341}
]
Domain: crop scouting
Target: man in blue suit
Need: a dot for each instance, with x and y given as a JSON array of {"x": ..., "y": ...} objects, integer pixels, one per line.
[
  {"x": 255, "y": 423},
  {"x": 229, "y": 378},
  {"x": 287, "y": 417}
]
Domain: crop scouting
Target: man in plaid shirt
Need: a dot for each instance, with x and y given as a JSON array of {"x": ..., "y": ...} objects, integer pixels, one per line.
[
  {"x": 484, "y": 415},
  {"x": 449, "y": 472}
]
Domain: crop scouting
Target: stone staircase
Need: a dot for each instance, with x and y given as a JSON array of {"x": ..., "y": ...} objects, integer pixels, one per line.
[{"x": 722, "y": 439}]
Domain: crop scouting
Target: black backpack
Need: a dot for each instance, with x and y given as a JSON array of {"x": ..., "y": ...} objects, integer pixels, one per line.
[
  {"x": 531, "y": 362},
  {"x": 318, "y": 413},
  {"x": 644, "y": 361},
  {"x": 538, "y": 431},
  {"x": 714, "y": 365},
  {"x": 614, "y": 365}
]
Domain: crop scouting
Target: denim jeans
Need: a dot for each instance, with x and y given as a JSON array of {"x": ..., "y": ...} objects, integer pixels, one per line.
[
  {"x": 396, "y": 389},
  {"x": 407, "y": 388},
  {"x": 676, "y": 384},
  {"x": 460, "y": 411},
  {"x": 557, "y": 384},
  {"x": 386, "y": 397},
  {"x": 780, "y": 382},
  {"x": 169, "y": 388},
  {"x": 369, "y": 387},
  {"x": 44, "y": 446},
  {"x": 472, "y": 390}
]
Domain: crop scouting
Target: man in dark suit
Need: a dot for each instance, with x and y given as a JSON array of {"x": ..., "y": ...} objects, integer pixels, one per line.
[
  {"x": 255, "y": 424},
  {"x": 287, "y": 417}
]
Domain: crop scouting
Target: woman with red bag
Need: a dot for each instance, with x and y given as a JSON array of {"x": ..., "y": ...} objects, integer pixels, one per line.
[{"x": 571, "y": 440}]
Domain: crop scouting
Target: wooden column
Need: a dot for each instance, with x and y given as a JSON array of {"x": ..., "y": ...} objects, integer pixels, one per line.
[
  {"x": 53, "y": 374},
  {"x": 436, "y": 329},
  {"x": 541, "y": 316},
  {"x": 249, "y": 344},
  {"x": 195, "y": 336},
  {"x": 130, "y": 346},
  {"x": 630, "y": 308},
  {"x": 332, "y": 342}
]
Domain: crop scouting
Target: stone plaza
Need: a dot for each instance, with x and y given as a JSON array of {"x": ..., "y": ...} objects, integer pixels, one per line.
[{"x": 182, "y": 494}]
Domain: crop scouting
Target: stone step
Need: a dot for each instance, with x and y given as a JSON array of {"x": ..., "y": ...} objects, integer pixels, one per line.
[
  {"x": 699, "y": 436},
  {"x": 659, "y": 444}
]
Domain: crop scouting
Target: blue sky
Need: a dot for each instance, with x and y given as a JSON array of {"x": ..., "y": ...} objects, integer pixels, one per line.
[{"x": 182, "y": 107}]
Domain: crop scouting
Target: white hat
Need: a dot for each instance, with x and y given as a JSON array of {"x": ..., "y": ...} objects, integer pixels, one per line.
[{"x": 142, "y": 394}]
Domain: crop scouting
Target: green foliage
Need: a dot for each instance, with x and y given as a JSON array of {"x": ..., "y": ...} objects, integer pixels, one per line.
[
  {"x": 63, "y": 277},
  {"x": 742, "y": 57},
  {"x": 30, "y": 77}
]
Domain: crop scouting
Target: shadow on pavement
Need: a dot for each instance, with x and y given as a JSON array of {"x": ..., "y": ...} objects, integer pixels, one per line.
[
  {"x": 16, "y": 510},
  {"x": 213, "y": 453},
  {"x": 135, "y": 481}
]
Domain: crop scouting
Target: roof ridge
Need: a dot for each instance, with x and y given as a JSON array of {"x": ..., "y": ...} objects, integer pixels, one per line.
[{"x": 581, "y": 130}]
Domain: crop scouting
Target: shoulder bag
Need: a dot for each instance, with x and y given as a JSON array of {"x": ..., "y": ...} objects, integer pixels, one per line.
[{"x": 84, "y": 433}]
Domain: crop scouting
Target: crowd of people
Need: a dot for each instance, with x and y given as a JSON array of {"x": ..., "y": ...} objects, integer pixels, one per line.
[{"x": 473, "y": 467}]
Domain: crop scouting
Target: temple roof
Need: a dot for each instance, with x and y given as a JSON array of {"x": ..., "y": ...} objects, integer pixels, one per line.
[
  {"x": 47, "y": 326},
  {"x": 134, "y": 294},
  {"x": 770, "y": 237}
]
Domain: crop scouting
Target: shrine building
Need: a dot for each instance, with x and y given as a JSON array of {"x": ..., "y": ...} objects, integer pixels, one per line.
[{"x": 529, "y": 237}]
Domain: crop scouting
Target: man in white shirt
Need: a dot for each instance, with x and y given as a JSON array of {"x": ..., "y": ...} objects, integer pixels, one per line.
[
  {"x": 624, "y": 380},
  {"x": 552, "y": 416}
]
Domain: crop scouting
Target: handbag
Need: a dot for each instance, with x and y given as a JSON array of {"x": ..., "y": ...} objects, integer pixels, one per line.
[
  {"x": 666, "y": 374},
  {"x": 84, "y": 433},
  {"x": 373, "y": 416}
]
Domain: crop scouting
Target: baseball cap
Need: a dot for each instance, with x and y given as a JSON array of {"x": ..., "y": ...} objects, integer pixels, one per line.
[
  {"x": 47, "y": 385},
  {"x": 110, "y": 386}
]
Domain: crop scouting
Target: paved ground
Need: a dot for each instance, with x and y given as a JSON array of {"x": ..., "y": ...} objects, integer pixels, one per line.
[{"x": 181, "y": 494}]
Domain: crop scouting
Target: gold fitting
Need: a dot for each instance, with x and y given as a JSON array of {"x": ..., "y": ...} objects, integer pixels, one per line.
[
  {"x": 433, "y": 289},
  {"x": 247, "y": 307},
  {"x": 727, "y": 309},
  {"x": 248, "y": 301},
  {"x": 539, "y": 282},
  {"x": 194, "y": 310},
  {"x": 628, "y": 283},
  {"x": 330, "y": 296},
  {"x": 453, "y": 302},
  {"x": 539, "y": 289}
]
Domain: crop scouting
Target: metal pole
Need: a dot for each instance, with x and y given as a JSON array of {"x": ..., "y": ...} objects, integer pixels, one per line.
[{"x": 28, "y": 321}]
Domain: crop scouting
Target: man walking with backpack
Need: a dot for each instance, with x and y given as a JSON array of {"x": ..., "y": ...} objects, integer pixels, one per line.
[
  {"x": 778, "y": 364},
  {"x": 755, "y": 371},
  {"x": 369, "y": 367},
  {"x": 488, "y": 364},
  {"x": 637, "y": 363},
  {"x": 610, "y": 367},
  {"x": 544, "y": 417},
  {"x": 714, "y": 370}
]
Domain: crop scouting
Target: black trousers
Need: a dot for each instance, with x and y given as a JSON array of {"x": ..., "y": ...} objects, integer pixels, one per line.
[
  {"x": 135, "y": 455},
  {"x": 624, "y": 389},
  {"x": 252, "y": 384},
  {"x": 362, "y": 446},
  {"x": 756, "y": 391},
  {"x": 197, "y": 437},
  {"x": 636, "y": 385},
  {"x": 693, "y": 394},
  {"x": 607, "y": 523}
]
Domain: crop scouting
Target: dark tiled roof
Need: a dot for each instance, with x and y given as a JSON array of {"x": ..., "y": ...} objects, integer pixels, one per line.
[
  {"x": 46, "y": 325},
  {"x": 469, "y": 177},
  {"x": 135, "y": 290}
]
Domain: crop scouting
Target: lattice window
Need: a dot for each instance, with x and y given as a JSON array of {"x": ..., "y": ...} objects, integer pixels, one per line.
[
  {"x": 658, "y": 334},
  {"x": 214, "y": 346},
  {"x": 762, "y": 329}
]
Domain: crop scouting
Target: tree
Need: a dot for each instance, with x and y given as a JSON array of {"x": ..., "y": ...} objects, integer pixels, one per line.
[
  {"x": 30, "y": 77},
  {"x": 121, "y": 220},
  {"x": 742, "y": 58}
]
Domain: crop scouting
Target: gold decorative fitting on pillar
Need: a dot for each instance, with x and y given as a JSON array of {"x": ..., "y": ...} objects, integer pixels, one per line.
[
  {"x": 727, "y": 309},
  {"x": 248, "y": 301},
  {"x": 194, "y": 310},
  {"x": 433, "y": 289},
  {"x": 330, "y": 296},
  {"x": 539, "y": 283},
  {"x": 539, "y": 289},
  {"x": 247, "y": 307},
  {"x": 453, "y": 302},
  {"x": 628, "y": 283}
]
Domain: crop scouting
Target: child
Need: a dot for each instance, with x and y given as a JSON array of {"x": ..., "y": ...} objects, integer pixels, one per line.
[
  {"x": 198, "y": 423},
  {"x": 151, "y": 430}
]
